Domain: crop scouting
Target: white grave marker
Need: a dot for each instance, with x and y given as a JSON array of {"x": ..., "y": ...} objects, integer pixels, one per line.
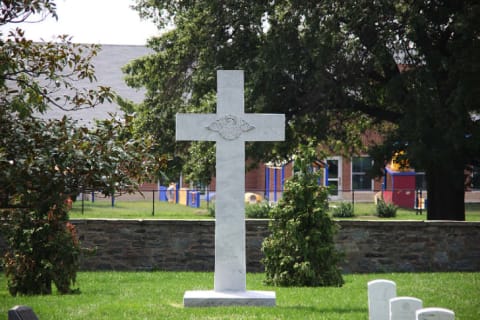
[
  {"x": 403, "y": 308},
  {"x": 379, "y": 294},
  {"x": 230, "y": 127},
  {"x": 435, "y": 314}
]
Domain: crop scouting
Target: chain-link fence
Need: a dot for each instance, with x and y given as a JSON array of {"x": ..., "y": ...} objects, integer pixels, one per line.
[{"x": 410, "y": 199}]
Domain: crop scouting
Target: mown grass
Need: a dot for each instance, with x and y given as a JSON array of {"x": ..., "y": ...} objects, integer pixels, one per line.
[
  {"x": 136, "y": 210},
  {"x": 366, "y": 211},
  {"x": 163, "y": 210},
  {"x": 159, "y": 295}
]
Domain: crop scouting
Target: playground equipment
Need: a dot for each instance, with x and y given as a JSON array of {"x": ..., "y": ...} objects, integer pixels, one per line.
[
  {"x": 399, "y": 188},
  {"x": 183, "y": 196},
  {"x": 399, "y": 182},
  {"x": 274, "y": 182},
  {"x": 251, "y": 198}
]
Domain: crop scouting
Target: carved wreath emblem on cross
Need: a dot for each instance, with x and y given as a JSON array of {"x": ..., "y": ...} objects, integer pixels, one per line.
[{"x": 230, "y": 127}]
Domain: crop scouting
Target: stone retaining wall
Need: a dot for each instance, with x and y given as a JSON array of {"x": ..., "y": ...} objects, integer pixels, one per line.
[
  {"x": 404, "y": 246},
  {"x": 369, "y": 246}
]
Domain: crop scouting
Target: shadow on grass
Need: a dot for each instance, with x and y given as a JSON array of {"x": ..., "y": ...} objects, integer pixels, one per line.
[{"x": 311, "y": 309}]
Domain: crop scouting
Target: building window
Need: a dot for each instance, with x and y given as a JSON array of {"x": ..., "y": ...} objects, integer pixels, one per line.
[{"x": 360, "y": 178}]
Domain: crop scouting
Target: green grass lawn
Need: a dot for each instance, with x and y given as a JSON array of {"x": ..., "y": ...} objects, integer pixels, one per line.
[
  {"x": 164, "y": 210},
  {"x": 159, "y": 295},
  {"x": 136, "y": 210},
  {"x": 367, "y": 211}
]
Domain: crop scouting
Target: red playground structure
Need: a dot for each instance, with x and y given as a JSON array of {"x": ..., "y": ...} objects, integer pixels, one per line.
[{"x": 399, "y": 187}]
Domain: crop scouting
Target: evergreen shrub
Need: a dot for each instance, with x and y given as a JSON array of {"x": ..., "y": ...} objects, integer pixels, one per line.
[{"x": 300, "y": 250}]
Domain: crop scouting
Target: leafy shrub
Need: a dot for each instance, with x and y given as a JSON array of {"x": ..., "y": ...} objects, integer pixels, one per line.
[
  {"x": 300, "y": 250},
  {"x": 386, "y": 210},
  {"x": 258, "y": 210},
  {"x": 343, "y": 210},
  {"x": 254, "y": 211},
  {"x": 41, "y": 252},
  {"x": 42, "y": 166}
]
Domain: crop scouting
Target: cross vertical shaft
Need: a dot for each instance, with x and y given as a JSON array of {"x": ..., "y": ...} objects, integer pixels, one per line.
[{"x": 230, "y": 264}]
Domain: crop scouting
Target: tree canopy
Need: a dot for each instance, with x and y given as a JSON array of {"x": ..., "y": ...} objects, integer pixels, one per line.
[
  {"x": 36, "y": 76},
  {"x": 180, "y": 77},
  {"x": 334, "y": 68}
]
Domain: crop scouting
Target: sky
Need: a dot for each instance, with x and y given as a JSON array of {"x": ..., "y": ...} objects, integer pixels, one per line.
[{"x": 93, "y": 21}]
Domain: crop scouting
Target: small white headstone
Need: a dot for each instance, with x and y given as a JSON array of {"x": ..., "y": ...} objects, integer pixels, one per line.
[
  {"x": 435, "y": 314},
  {"x": 403, "y": 308},
  {"x": 379, "y": 294}
]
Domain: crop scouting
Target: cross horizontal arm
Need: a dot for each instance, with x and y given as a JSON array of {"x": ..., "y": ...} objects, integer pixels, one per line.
[
  {"x": 262, "y": 127},
  {"x": 268, "y": 127},
  {"x": 192, "y": 127}
]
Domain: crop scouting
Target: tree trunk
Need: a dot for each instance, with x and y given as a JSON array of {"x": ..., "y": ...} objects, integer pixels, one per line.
[{"x": 446, "y": 192}]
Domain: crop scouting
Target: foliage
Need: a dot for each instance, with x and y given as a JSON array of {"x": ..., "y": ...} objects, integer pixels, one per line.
[
  {"x": 258, "y": 210},
  {"x": 181, "y": 77},
  {"x": 199, "y": 166},
  {"x": 43, "y": 164},
  {"x": 252, "y": 211},
  {"x": 386, "y": 210},
  {"x": 335, "y": 69},
  {"x": 45, "y": 249},
  {"x": 20, "y": 11},
  {"x": 300, "y": 250},
  {"x": 35, "y": 76},
  {"x": 343, "y": 210}
]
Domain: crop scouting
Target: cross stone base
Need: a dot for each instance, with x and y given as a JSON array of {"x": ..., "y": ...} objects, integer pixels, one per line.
[{"x": 229, "y": 298}]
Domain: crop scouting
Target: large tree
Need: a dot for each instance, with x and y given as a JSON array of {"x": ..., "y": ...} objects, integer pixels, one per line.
[
  {"x": 332, "y": 67},
  {"x": 44, "y": 163}
]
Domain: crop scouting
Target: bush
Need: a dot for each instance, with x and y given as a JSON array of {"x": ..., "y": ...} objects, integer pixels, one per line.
[
  {"x": 343, "y": 210},
  {"x": 386, "y": 210},
  {"x": 258, "y": 210},
  {"x": 40, "y": 252},
  {"x": 300, "y": 250},
  {"x": 253, "y": 211},
  {"x": 42, "y": 166}
]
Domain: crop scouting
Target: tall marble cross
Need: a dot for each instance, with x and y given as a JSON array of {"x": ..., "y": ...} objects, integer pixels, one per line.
[{"x": 230, "y": 127}]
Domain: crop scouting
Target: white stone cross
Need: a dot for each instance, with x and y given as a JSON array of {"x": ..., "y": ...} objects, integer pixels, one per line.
[{"x": 230, "y": 127}]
